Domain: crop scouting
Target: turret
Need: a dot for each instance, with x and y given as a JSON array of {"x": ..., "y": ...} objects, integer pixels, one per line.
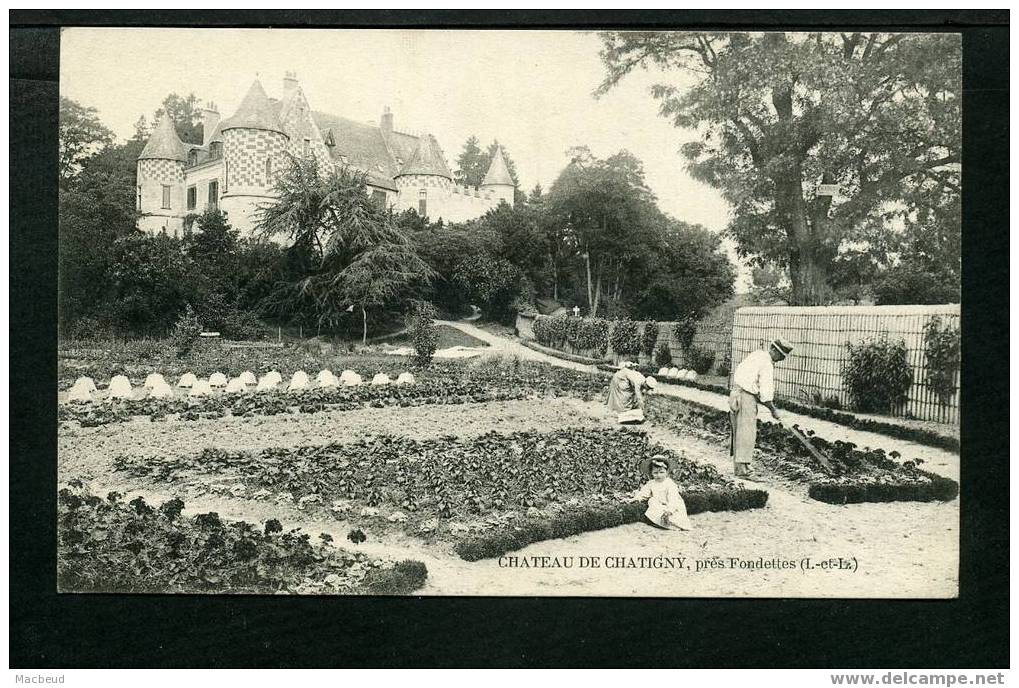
[
  {"x": 254, "y": 146},
  {"x": 425, "y": 178},
  {"x": 160, "y": 191},
  {"x": 498, "y": 179}
]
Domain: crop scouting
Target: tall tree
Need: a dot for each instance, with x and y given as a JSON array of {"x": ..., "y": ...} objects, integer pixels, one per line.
[
  {"x": 604, "y": 205},
  {"x": 186, "y": 113},
  {"x": 471, "y": 164},
  {"x": 81, "y": 135},
  {"x": 781, "y": 114}
]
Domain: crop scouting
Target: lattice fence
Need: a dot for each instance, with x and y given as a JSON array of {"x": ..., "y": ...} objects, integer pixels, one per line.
[{"x": 820, "y": 335}]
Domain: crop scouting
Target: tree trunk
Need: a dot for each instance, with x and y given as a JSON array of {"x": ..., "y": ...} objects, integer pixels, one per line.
[
  {"x": 597, "y": 294},
  {"x": 364, "y": 331},
  {"x": 590, "y": 295},
  {"x": 810, "y": 257}
]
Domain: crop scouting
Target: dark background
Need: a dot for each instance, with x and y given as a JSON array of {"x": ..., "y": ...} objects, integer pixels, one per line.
[{"x": 48, "y": 630}]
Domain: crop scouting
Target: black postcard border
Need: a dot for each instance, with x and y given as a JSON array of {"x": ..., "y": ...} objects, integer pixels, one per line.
[{"x": 48, "y": 630}]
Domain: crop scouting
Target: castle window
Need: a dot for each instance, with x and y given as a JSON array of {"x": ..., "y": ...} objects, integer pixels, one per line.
[
  {"x": 379, "y": 198},
  {"x": 423, "y": 203},
  {"x": 226, "y": 176},
  {"x": 192, "y": 198},
  {"x": 166, "y": 196},
  {"x": 139, "y": 197},
  {"x": 215, "y": 150},
  {"x": 214, "y": 194},
  {"x": 306, "y": 147},
  {"x": 192, "y": 157},
  {"x": 268, "y": 171}
]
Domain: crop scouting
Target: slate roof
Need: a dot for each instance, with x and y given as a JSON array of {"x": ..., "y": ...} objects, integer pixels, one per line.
[
  {"x": 427, "y": 159},
  {"x": 255, "y": 112},
  {"x": 498, "y": 171},
  {"x": 164, "y": 144}
]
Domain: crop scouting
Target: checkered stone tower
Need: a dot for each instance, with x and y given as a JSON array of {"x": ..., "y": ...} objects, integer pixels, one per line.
[
  {"x": 254, "y": 151},
  {"x": 160, "y": 192}
]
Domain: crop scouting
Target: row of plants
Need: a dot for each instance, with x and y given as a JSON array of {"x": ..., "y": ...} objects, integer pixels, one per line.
[
  {"x": 107, "y": 545},
  {"x": 449, "y": 480},
  {"x": 856, "y": 475},
  {"x": 918, "y": 435},
  {"x": 472, "y": 383},
  {"x": 550, "y": 351},
  {"x": 597, "y": 516}
]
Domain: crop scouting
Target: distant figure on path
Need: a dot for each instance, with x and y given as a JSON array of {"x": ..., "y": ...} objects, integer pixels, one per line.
[
  {"x": 626, "y": 393},
  {"x": 752, "y": 382}
]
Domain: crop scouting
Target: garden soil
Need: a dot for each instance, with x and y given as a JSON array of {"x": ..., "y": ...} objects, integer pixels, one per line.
[{"x": 900, "y": 549}]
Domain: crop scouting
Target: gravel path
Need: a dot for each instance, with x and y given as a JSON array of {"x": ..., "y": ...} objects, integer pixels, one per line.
[{"x": 898, "y": 549}]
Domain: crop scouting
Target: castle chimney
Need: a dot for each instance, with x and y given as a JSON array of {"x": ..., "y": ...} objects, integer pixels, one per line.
[
  {"x": 289, "y": 82},
  {"x": 210, "y": 120},
  {"x": 386, "y": 123}
]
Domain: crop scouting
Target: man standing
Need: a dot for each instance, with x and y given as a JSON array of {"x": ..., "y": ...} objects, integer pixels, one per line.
[{"x": 752, "y": 382}]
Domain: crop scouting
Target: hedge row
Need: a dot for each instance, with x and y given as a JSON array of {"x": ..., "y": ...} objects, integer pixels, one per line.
[
  {"x": 938, "y": 489},
  {"x": 927, "y": 438},
  {"x": 597, "y": 517},
  {"x": 550, "y": 351},
  {"x": 580, "y": 333}
]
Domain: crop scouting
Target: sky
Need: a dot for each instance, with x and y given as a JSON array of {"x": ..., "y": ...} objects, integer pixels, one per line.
[{"x": 531, "y": 90}]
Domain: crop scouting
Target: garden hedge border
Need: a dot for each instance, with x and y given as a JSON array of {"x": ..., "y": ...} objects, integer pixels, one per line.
[
  {"x": 927, "y": 438},
  {"x": 556, "y": 353},
  {"x": 940, "y": 489},
  {"x": 597, "y": 517}
]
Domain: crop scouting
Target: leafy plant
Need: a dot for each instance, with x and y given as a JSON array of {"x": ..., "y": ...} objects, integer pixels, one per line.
[
  {"x": 423, "y": 333},
  {"x": 877, "y": 375},
  {"x": 700, "y": 359},
  {"x": 684, "y": 330},
  {"x": 941, "y": 352},
  {"x": 625, "y": 337},
  {"x": 663, "y": 357},
  {"x": 650, "y": 336},
  {"x": 186, "y": 332},
  {"x": 725, "y": 364}
]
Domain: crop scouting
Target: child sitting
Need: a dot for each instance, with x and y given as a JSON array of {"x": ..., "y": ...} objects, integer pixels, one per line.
[{"x": 665, "y": 506}]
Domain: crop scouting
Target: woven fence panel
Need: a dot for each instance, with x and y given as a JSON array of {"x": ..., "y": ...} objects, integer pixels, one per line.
[{"x": 820, "y": 335}]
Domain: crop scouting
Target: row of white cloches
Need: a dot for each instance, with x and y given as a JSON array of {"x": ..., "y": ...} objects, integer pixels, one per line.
[
  {"x": 677, "y": 373},
  {"x": 156, "y": 386}
]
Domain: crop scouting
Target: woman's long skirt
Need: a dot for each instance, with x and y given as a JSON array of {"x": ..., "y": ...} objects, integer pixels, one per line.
[{"x": 743, "y": 429}]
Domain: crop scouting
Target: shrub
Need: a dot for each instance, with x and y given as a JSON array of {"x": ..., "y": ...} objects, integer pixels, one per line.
[
  {"x": 877, "y": 375},
  {"x": 593, "y": 333},
  {"x": 700, "y": 359},
  {"x": 725, "y": 364},
  {"x": 625, "y": 337},
  {"x": 663, "y": 356},
  {"x": 941, "y": 351},
  {"x": 650, "y": 337},
  {"x": 186, "y": 332},
  {"x": 404, "y": 578},
  {"x": 938, "y": 489},
  {"x": 423, "y": 333},
  {"x": 684, "y": 330}
]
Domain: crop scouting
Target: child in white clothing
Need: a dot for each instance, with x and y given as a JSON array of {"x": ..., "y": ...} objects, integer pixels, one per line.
[{"x": 665, "y": 506}]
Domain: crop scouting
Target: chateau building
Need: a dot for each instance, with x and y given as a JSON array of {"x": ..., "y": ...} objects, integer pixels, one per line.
[{"x": 234, "y": 167}]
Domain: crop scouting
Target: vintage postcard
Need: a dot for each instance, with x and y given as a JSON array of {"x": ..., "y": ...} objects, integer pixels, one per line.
[{"x": 510, "y": 313}]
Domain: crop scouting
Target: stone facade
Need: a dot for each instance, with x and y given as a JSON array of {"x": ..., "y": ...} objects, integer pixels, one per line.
[{"x": 234, "y": 166}]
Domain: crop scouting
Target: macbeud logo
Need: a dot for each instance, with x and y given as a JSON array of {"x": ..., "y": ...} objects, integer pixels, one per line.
[{"x": 38, "y": 678}]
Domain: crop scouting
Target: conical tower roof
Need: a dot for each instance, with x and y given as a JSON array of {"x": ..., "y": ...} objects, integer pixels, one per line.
[
  {"x": 427, "y": 159},
  {"x": 498, "y": 171},
  {"x": 255, "y": 112},
  {"x": 164, "y": 144}
]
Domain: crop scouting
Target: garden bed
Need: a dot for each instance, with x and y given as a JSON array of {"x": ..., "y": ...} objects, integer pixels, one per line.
[
  {"x": 857, "y": 475},
  {"x": 556, "y": 353},
  {"x": 106, "y": 545},
  {"x": 547, "y": 482}
]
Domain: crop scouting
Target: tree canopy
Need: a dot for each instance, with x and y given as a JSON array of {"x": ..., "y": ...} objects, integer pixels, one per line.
[{"x": 778, "y": 115}]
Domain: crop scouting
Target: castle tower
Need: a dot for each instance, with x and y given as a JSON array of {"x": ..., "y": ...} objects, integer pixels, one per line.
[
  {"x": 160, "y": 192},
  {"x": 254, "y": 150},
  {"x": 498, "y": 179},
  {"x": 425, "y": 181}
]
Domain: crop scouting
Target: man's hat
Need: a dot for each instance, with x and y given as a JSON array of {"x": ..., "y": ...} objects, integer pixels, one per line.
[
  {"x": 650, "y": 382},
  {"x": 782, "y": 346},
  {"x": 645, "y": 465}
]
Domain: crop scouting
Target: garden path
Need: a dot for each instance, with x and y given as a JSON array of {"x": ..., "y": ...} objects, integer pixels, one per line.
[{"x": 936, "y": 460}]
